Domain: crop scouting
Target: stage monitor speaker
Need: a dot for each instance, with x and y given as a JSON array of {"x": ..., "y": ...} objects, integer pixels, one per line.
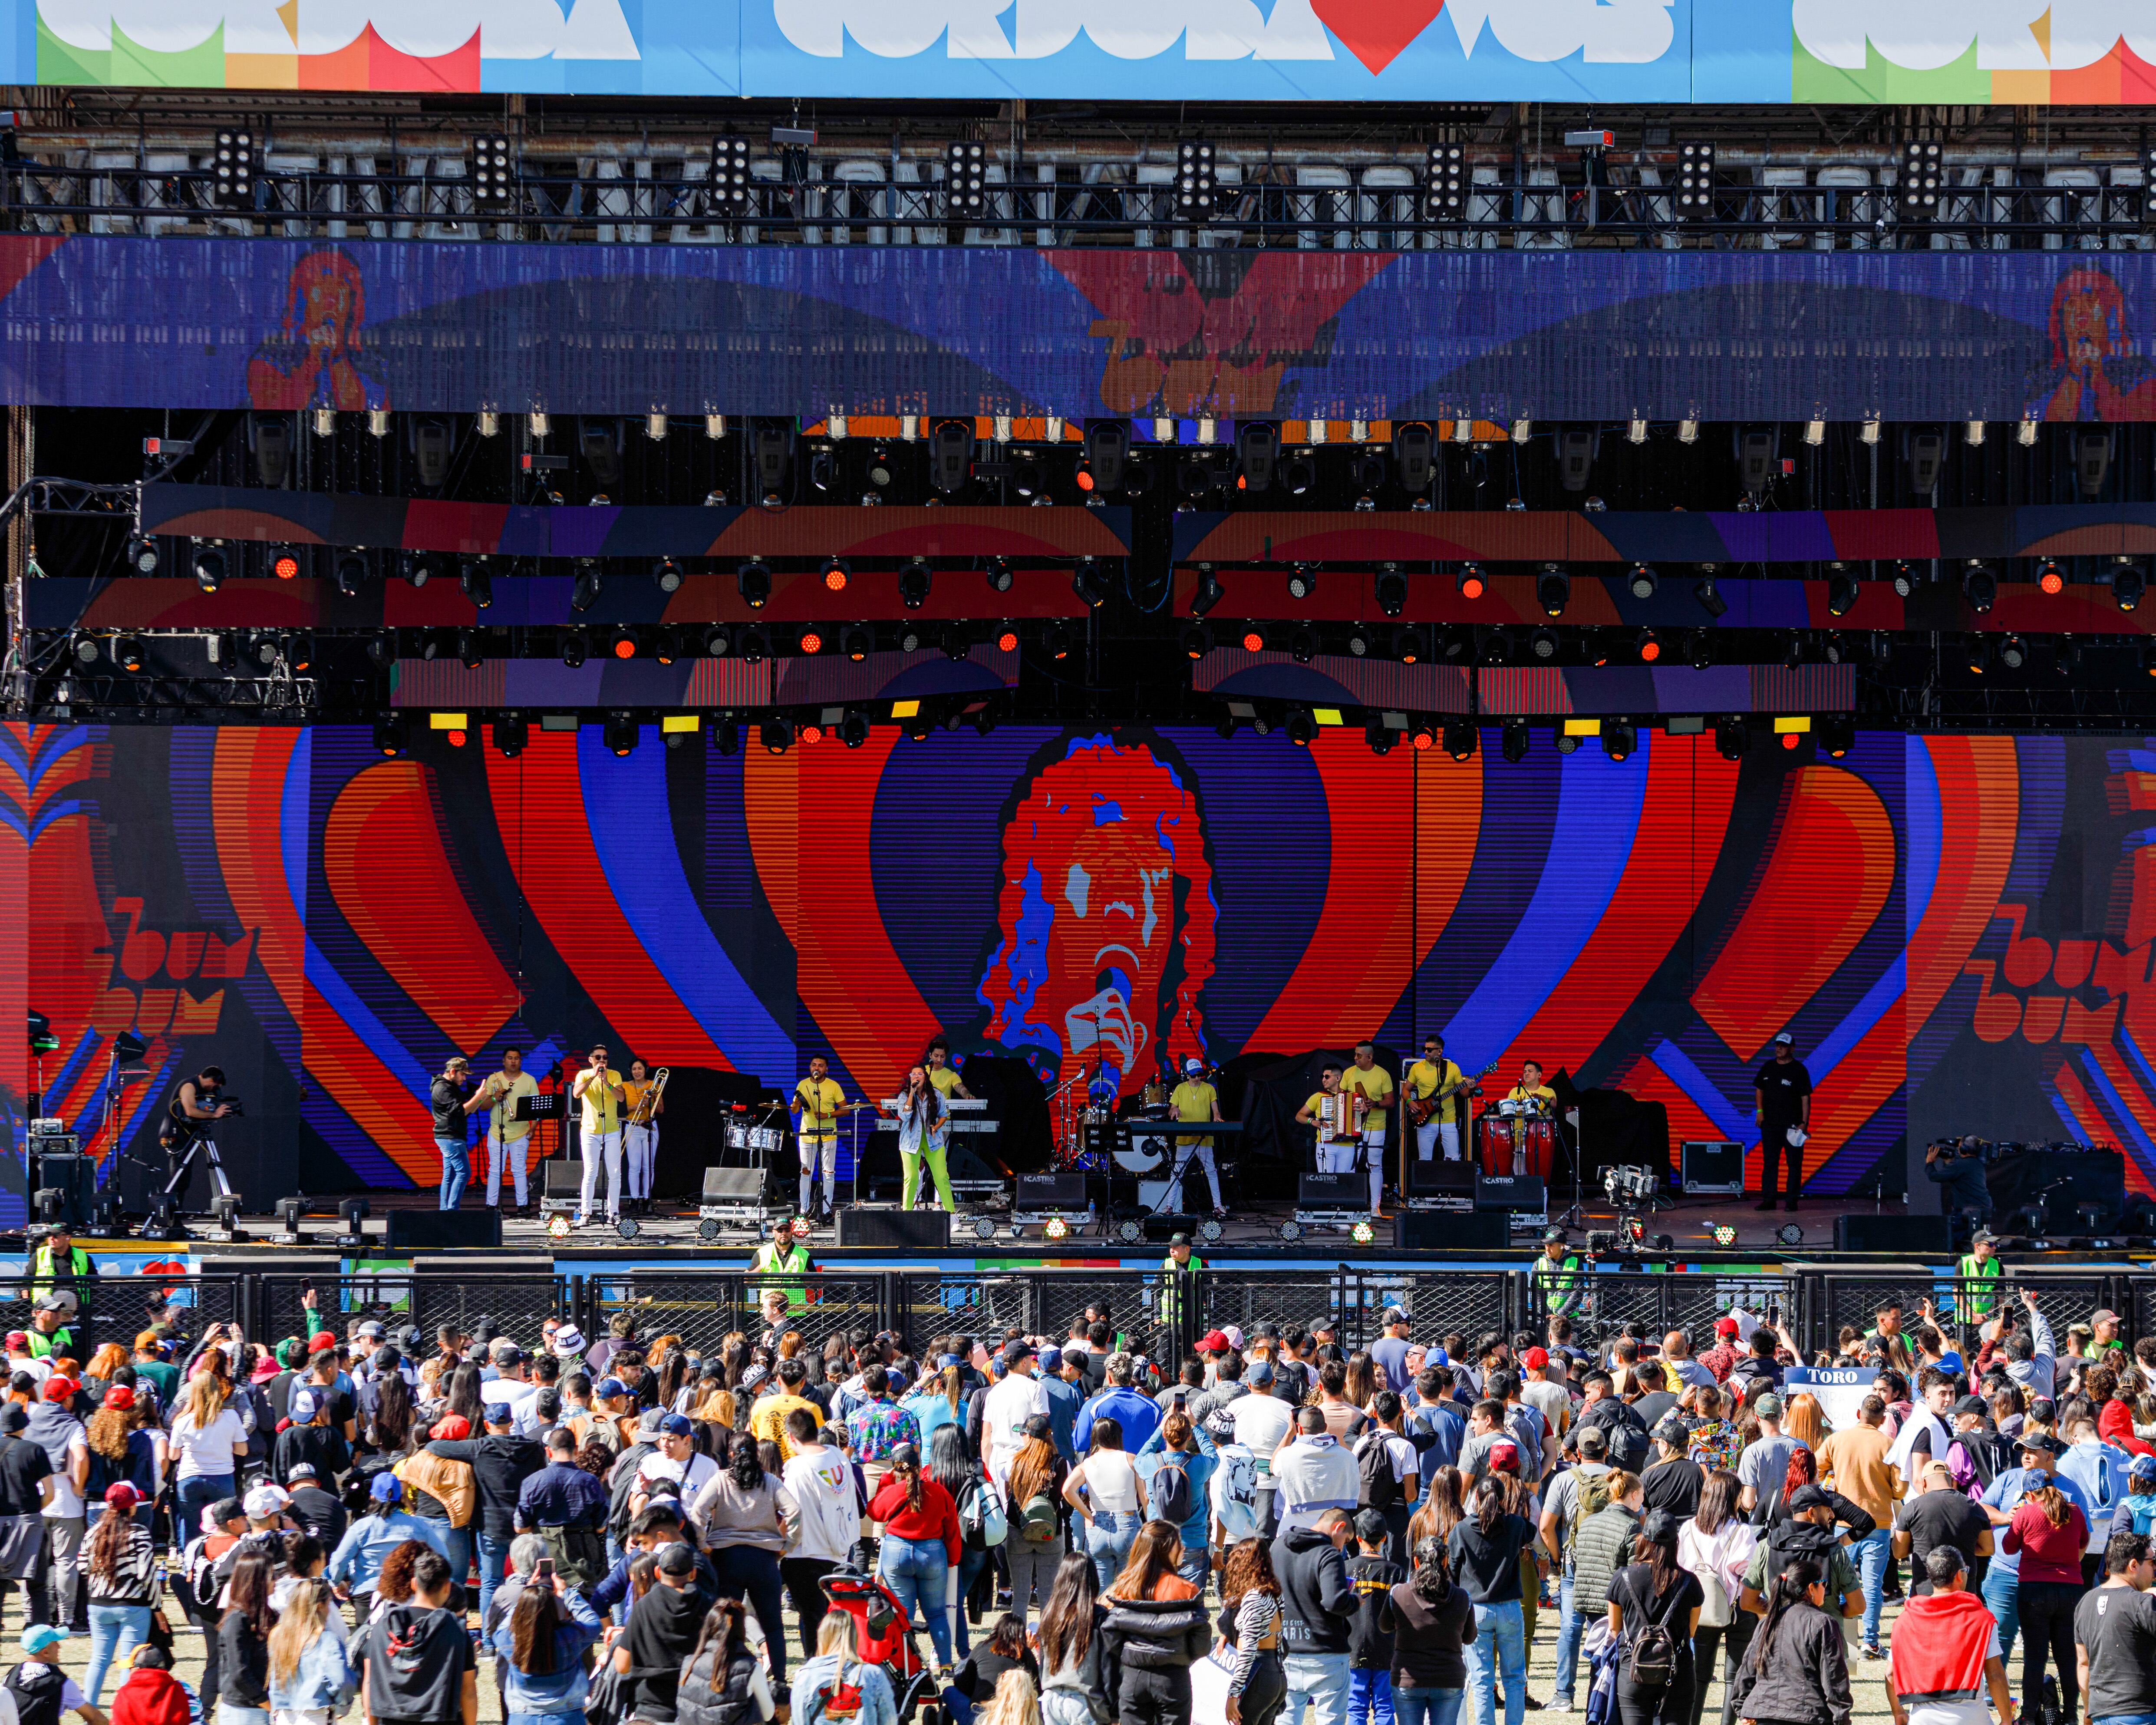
[
  {"x": 1050, "y": 1192},
  {"x": 74, "y": 1178},
  {"x": 1332, "y": 1192},
  {"x": 733, "y": 1185},
  {"x": 442, "y": 1231},
  {"x": 1856, "y": 1232},
  {"x": 1439, "y": 1178},
  {"x": 1511, "y": 1192},
  {"x": 1452, "y": 1231},
  {"x": 562, "y": 1178},
  {"x": 1712, "y": 1167},
  {"x": 895, "y": 1230}
]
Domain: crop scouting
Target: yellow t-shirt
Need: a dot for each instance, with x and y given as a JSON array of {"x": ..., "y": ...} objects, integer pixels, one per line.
[
  {"x": 1426, "y": 1080},
  {"x": 819, "y": 1099},
  {"x": 1316, "y": 1105},
  {"x": 1194, "y": 1101},
  {"x": 1542, "y": 1093},
  {"x": 946, "y": 1080},
  {"x": 507, "y": 1130},
  {"x": 632, "y": 1093},
  {"x": 766, "y": 1421},
  {"x": 1376, "y": 1084},
  {"x": 601, "y": 1103}
]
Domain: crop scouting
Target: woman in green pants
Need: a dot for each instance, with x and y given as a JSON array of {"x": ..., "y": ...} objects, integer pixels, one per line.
[{"x": 924, "y": 1129}]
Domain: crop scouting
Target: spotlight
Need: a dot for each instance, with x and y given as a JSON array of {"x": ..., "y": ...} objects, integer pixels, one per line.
[
  {"x": 1516, "y": 740},
  {"x": 2050, "y": 579},
  {"x": 753, "y": 582},
  {"x": 1209, "y": 593},
  {"x": 2149, "y": 659},
  {"x": 389, "y": 737},
  {"x": 1362, "y": 1234},
  {"x": 86, "y": 649},
  {"x": 625, "y": 642},
  {"x": 1253, "y": 638},
  {"x": 1905, "y": 581},
  {"x": 1730, "y": 738},
  {"x": 1197, "y": 187},
  {"x": 1302, "y": 645},
  {"x": 1837, "y": 734},
  {"x": 1290, "y": 1231},
  {"x": 1413, "y": 446},
  {"x": 1916, "y": 189},
  {"x": 1695, "y": 197},
  {"x": 998, "y": 575},
  {"x": 576, "y": 648},
  {"x": 2128, "y": 584},
  {"x": 854, "y": 728},
  {"x": 913, "y": 583},
  {"x": 475, "y": 583},
  {"x": 1496, "y": 647},
  {"x": 584, "y": 590},
  {"x": 1469, "y": 581},
  {"x": 1648, "y": 647},
  {"x": 1699, "y": 648},
  {"x": 2013, "y": 652},
  {"x": 730, "y": 189},
  {"x": 1789, "y": 1234},
  {"x": 1793, "y": 648},
  {"x": 755, "y": 644},
  {"x": 965, "y": 179},
  {"x": 1197, "y": 639},
  {"x": 1643, "y": 581},
  {"x": 1980, "y": 588},
  {"x": 1257, "y": 451},
  {"x": 1300, "y": 475},
  {"x": 2091, "y": 461},
  {"x": 1107, "y": 448},
  {"x": 1543, "y": 645},
  {"x": 1459, "y": 738},
  {"x": 350, "y": 569},
  {"x": 1302, "y": 582},
  {"x": 770, "y": 452},
  {"x": 511, "y": 732},
  {"x": 811, "y": 641},
  {"x": 381, "y": 648},
  {"x": 619, "y": 734},
  {"x": 909, "y": 638},
  {"x": 1978, "y": 654},
  {"x": 1391, "y": 591},
  {"x": 494, "y": 186},
  {"x": 1358, "y": 641},
  {"x": 1553, "y": 591},
  {"x": 666, "y": 575},
  {"x": 1380, "y": 736},
  {"x": 857, "y": 643},
  {"x": 951, "y": 454},
  {"x": 1840, "y": 593},
  {"x": 558, "y": 1226},
  {"x": 1710, "y": 599},
  {"x": 776, "y": 735},
  {"x": 1090, "y": 582},
  {"x": 470, "y": 654},
  {"x": 725, "y": 735},
  {"x": 129, "y": 653},
  {"x": 143, "y": 553},
  {"x": 1408, "y": 645},
  {"x": 718, "y": 640},
  {"x": 209, "y": 569},
  {"x": 232, "y": 170},
  {"x": 1444, "y": 184},
  {"x": 1619, "y": 739},
  {"x": 1301, "y": 727}
]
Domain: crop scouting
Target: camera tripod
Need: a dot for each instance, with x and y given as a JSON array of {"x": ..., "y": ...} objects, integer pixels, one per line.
[{"x": 166, "y": 1209}]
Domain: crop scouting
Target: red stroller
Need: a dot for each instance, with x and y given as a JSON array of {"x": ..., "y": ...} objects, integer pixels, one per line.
[{"x": 886, "y": 1639}]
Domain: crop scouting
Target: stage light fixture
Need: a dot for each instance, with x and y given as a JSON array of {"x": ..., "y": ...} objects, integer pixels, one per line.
[
  {"x": 232, "y": 170},
  {"x": 857, "y": 643},
  {"x": 1837, "y": 734},
  {"x": 666, "y": 575},
  {"x": 389, "y": 737},
  {"x": 576, "y": 647},
  {"x": 2128, "y": 584},
  {"x": 1699, "y": 648},
  {"x": 1415, "y": 455},
  {"x": 1444, "y": 184},
  {"x": 1643, "y": 581},
  {"x": 909, "y": 638},
  {"x": 1648, "y": 646},
  {"x": 511, "y": 731},
  {"x": 415, "y": 568},
  {"x": 1107, "y": 448},
  {"x": 1923, "y": 173},
  {"x": 1301, "y": 727},
  {"x": 585, "y": 589},
  {"x": 1516, "y": 740},
  {"x": 914, "y": 581},
  {"x": 350, "y": 569},
  {"x": 1904, "y": 579},
  {"x": 2149, "y": 659},
  {"x": 1980, "y": 588},
  {"x": 718, "y": 640},
  {"x": 619, "y": 734},
  {"x": 1253, "y": 638},
  {"x": 129, "y": 653},
  {"x": 1302, "y": 582},
  {"x": 753, "y": 582},
  {"x": 559, "y": 1225},
  {"x": 1709, "y": 597},
  {"x": 1977, "y": 653},
  {"x": 470, "y": 654},
  {"x": 776, "y": 735},
  {"x": 1730, "y": 738},
  {"x": 1300, "y": 475},
  {"x": 143, "y": 553},
  {"x": 209, "y": 568},
  {"x": 1789, "y": 1234},
  {"x": 725, "y": 735},
  {"x": 86, "y": 650},
  {"x": 2049, "y": 578},
  {"x": 1568, "y": 740},
  {"x": 1090, "y": 582},
  {"x": 1840, "y": 593},
  {"x": 1367, "y": 471},
  {"x": 1619, "y": 739},
  {"x": 381, "y": 648},
  {"x": 1543, "y": 645},
  {"x": 730, "y": 190},
  {"x": 475, "y": 582},
  {"x": 1194, "y": 477},
  {"x": 965, "y": 179},
  {"x": 1552, "y": 590},
  {"x": 1469, "y": 581},
  {"x": 1380, "y": 736},
  {"x": 1257, "y": 454},
  {"x": 1695, "y": 189},
  {"x": 1210, "y": 592},
  {"x": 998, "y": 573},
  {"x": 1359, "y": 641},
  {"x": 1197, "y": 639},
  {"x": 1408, "y": 645},
  {"x": 1302, "y": 645},
  {"x": 1793, "y": 650},
  {"x": 490, "y": 161},
  {"x": 956, "y": 640},
  {"x": 811, "y": 640},
  {"x": 755, "y": 644},
  {"x": 2013, "y": 652},
  {"x": 1290, "y": 1231},
  {"x": 1459, "y": 738},
  {"x": 1391, "y": 591},
  {"x": 625, "y": 642},
  {"x": 1495, "y": 647},
  {"x": 1197, "y": 184},
  {"x": 951, "y": 454}
]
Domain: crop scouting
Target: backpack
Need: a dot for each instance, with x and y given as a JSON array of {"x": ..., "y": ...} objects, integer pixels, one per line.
[
  {"x": 1037, "y": 1521},
  {"x": 1961, "y": 1464},
  {"x": 981, "y": 1519},
  {"x": 1170, "y": 1498},
  {"x": 1236, "y": 1493},
  {"x": 35, "y": 1688},
  {"x": 1628, "y": 1446},
  {"x": 1590, "y": 1495},
  {"x": 1373, "y": 1461},
  {"x": 1654, "y": 1653}
]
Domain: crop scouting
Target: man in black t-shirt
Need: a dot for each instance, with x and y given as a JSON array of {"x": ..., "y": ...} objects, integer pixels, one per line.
[
  {"x": 1939, "y": 1515},
  {"x": 2115, "y": 1632},
  {"x": 1673, "y": 1480},
  {"x": 416, "y": 1660},
  {"x": 26, "y": 1473},
  {"x": 1782, "y": 1105}
]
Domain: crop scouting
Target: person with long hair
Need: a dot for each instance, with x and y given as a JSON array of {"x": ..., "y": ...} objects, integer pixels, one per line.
[
  {"x": 1434, "y": 1619},
  {"x": 120, "y": 1565},
  {"x": 1655, "y": 1592},
  {"x": 462, "y": 1397},
  {"x": 1067, "y": 1643},
  {"x": 389, "y": 1429},
  {"x": 1105, "y": 1491},
  {"x": 209, "y": 1439},
  {"x": 1714, "y": 1546},
  {"x": 951, "y": 1463},
  {"x": 1034, "y": 1547},
  {"x": 836, "y": 1687},
  {"x": 1154, "y": 1630},
  {"x": 1485, "y": 1552},
  {"x": 939, "y": 1399},
  {"x": 2047, "y": 1531},
  {"x": 1250, "y": 1622},
  {"x": 923, "y": 1125},
  {"x": 1440, "y": 1511},
  {"x": 1803, "y": 1419},
  {"x": 1016, "y": 1702},
  {"x": 738, "y": 1511},
  {"x": 120, "y": 1449},
  {"x": 921, "y": 1543},
  {"x": 540, "y": 1642},
  {"x": 1797, "y": 1670},
  {"x": 722, "y": 1682},
  {"x": 974, "y": 1684},
  {"x": 310, "y": 1670},
  {"x": 243, "y": 1640}
]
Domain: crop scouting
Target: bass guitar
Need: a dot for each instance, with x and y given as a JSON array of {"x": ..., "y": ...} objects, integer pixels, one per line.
[{"x": 1421, "y": 1108}]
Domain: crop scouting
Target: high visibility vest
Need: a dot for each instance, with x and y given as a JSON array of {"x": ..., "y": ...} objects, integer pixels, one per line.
[
  {"x": 1172, "y": 1276},
  {"x": 1981, "y": 1284},
  {"x": 794, "y": 1264}
]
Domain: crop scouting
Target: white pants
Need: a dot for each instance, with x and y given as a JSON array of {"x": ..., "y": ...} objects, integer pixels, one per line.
[
  {"x": 597, "y": 1145},
  {"x": 1337, "y": 1157},
  {"x": 515, "y": 1154},
  {"x": 829, "y": 1147},
  {"x": 1202, "y": 1154},
  {"x": 1429, "y": 1134},
  {"x": 1373, "y": 1152},
  {"x": 642, "y": 1142}
]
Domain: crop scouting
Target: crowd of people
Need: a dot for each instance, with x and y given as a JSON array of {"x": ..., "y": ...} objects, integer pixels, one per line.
[{"x": 627, "y": 1527}]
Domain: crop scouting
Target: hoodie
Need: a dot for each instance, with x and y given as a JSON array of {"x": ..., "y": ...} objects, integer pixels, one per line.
[
  {"x": 1312, "y": 1474},
  {"x": 152, "y": 1697},
  {"x": 1317, "y": 1598}
]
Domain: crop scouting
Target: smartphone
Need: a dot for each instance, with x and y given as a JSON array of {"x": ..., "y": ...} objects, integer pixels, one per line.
[
  {"x": 1181, "y": 1397},
  {"x": 543, "y": 1572}
]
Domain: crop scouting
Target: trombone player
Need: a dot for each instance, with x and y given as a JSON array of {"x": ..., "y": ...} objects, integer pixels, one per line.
[
  {"x": 646, "y": 1098},
  {"x": 600, "y": 1088}
]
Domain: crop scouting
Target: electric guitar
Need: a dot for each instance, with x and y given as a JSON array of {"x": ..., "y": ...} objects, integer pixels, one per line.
[{"x": 1420, "y": 1108}]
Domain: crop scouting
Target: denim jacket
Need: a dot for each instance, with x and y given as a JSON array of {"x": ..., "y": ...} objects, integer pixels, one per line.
[
  {"x": 325, "y": 1677},
  {"x": 563, "y": 1690},
  {"x": 877, "y": 1706}
]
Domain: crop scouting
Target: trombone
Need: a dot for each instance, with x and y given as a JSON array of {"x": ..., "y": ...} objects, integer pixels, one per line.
[{"x": 646, "y": 1104}]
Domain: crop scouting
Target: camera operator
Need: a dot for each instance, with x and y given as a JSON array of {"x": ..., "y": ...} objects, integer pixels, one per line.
[
  {"x": 1964, "y": 1194},
  {"x": 198, "y": 1102}
]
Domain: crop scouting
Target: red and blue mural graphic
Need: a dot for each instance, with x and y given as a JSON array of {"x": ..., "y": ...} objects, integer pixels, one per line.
[{"x": 1958, "y": 929}]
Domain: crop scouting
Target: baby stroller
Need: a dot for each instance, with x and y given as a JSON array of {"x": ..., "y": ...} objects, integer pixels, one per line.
[{"x": 886, "y": 1639}]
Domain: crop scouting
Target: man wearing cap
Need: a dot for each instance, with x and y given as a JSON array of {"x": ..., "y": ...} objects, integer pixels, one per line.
[
  {"x": 1783, "y": 1109},
  {"x": 1558, "y": 1280},
  {"x": 1721, "y": 1359},
  {"x": 2105, "y": 1346},
  {"x": 784, "y": 1255},
  {"x": 1007, "y": 1408},
  {"x": 1178, "y": 1281},
  {"x": 1766, "y": 1459},
  {"x": 1853, "y": 1462},
  {"x": 1808, "y": 1531},
  {"x": 55, "y": 1591},
  {"x": 509, "y": 1387},
  {"x": 2002, "y": 1582},
  {"x": 1979, "y": 1278},
  {"x": 309, "y": 1440},
  {"x": 39, "y": 1691},
  {"x": 1194, "y": 1100},
  {"x": 676, "y": 1458},
  {"x": 48, "y": 1335},
  {"x": 1672, "y": 1481},
  {"x": 1936, "y": 1515},
  {"x": 319, "y": 1512},
  {"x": 451, "y": 1097},
  {"x": 1388, "y": 1353}
]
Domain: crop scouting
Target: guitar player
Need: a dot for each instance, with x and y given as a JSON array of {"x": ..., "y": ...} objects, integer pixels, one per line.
[{"x": 1434, "y": 1085}]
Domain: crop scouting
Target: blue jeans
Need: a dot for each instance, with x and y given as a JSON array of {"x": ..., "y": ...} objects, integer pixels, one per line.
[
  {"x": 916, "y": 1571},
  {"x": 456, "y": 1170},
  {"x": 2126, "y": 1719},
  {"x": 1500, "y": 1646},
  {"x": 114, "y": 1632},
  {"x": 2002, "y": 1598},
  {"x": 493, "y": 1563},
  {"x": 457, "y": 1543},
  {"x": 194, "y": 1495},
  {"x": 575, "y": 1718},
  {"x": 970, "y": 1565},
  {"x": 1320, "y": 1679},
  {"x": 1109, "y": 1538},
  {"x": 1370, "y": 1695},
  {"x": 1872, "y": 1553},
  {"x": 1427, "y": 1706},
  {"x": 1569, "y": 1630}
]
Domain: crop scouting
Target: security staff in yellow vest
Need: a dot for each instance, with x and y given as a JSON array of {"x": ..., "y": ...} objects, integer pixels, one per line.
[
  {"x": 1982, "y": 1278},
  {"x": 63, "y": 1271},
  {"x": 783, "y": 1254},
  {"x": 1178, "y": 1280}
]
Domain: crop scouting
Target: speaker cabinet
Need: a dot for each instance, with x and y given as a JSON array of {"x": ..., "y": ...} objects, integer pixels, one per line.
[
  {"x": 442, "y": 1231},
  {"x": 895, "y": 1230},
  {"x": 1452, "y": 1231},
  {"x": 733, "y": 1185},
  {"x": 74, "y": 1178},
  {"x": 1332, "y": 1192},
  {"x": 1050, "y": 1192},
  {"x": 1507, "y": 1193},
  {"x": 1712, "y": 1166},
  {"x": 1859, "y": 1233},
  {"x": 560, "y": 1178},
  {"x": 1439, "y": 1178}
]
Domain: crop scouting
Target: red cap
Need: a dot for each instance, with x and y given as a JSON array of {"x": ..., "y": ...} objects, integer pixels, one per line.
[
  {"x": 118, "y": 1396},
  {"x": 119, "y": 1495},
  {"x": 1212, "y": 1341},
  {"x": 1725, "y": 1327},
  {"x": 1505, "y": 1458},
  {"x": 1535, "y": 1358},
  {"x": 18, "y": 1343},
  {"x": 60, "y": 1389},
  {"x": 451, "y": 1426},
  {"x": 321, "y": 1343}
]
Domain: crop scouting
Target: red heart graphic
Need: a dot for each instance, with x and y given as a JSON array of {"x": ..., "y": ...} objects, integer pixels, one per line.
[{"x": 1375, "y": 31}]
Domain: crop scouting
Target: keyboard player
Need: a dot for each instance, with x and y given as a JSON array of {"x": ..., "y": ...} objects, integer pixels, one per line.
[{"x": 1195, "y": 1100}]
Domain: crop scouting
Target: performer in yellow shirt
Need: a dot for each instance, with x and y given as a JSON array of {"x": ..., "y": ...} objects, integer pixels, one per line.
[
  {"x": 1372, "y": 1082},
  {"x": 942, "y": 1074},
  {"x": 1194, "y": 1099},
  {"x": 1330, "y": 1111},
  {"x": 640, "y": 1138},
  {"x": 1540, "y": 1099},
  {"x": 599, "y": 1088},
  {"x": 1433, "y": 1075},
  {"x": 817, "y": 1099},
  {"x": 508, "y": 1139}
]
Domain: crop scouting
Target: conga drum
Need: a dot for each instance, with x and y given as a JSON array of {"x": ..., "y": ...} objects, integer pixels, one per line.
[
  {"x": 1539, "y": 1148},
  {"x": 1494, "y": 1137}
]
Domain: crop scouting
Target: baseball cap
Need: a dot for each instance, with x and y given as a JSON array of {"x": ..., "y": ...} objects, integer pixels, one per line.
[
  {"x": 265, "y": 1500},
  {"x": 41, "y": 1635},
  {"x": 1370, "y": 1527},
  {"x": 18, "y": 1343},
  {"x": 610, "y": 1387},
  {"x": 13, "y": 1416},
  {"x": 386, "y": 1488},
  {"x": 568, "y": 1342},
  {"x": 1984, "y": 1236},
  {"x": 1725, "y": 1327},
  {"x": 1213, "y": 1341},
  {"x": 1235, "y": 1336},
  {"x": 1784, "y": 1036},
  {"x": 1670, "y": 1429},
  {"x": 301, "y": 1470},
  {"x": 1974, "y": 1404},
  {"x": 653, "y": 1420},
  {"x": 1175, "y": 1240},
  {"x": 1194, "y": 1065},
  {"x": 1940, "y": 1468},
  {"x": 1392, "y": 1314},
  {"x": 676, "y": 1559},
  {"x": 60, "y": 1389},
  {"x": 323, "y": 1342},
  {"x": 1594, "y": 1440},
  {"x": 1552, "y": 1236},
  {"x": 2105, "y": 1317},
  {"x": 1013, "y": 1352},
  {"x": 506, "y": 1353},
  {"x": 2142, "y": 1466},
  {"x": 1658, "y": 1526},
  {"x": 370, "y": 1327},
  {"x": 2039, "y": 1443},
  {"x": 303, "y": 1408},
  {"x": 407, "y": 1338},
  {"x": 1808, "y": 1497},
  {"x": 1051, "y": 1359},
  {"x": 451, "y": 1427},
  {"x": 1768, "y": 1406},
  {"x": 677, "y": 1425},
  {"x": 1259, "y": 1371},
  {"x": 118, "y": 1396},
  {"x": 1535, "y": 1358},
  {"x": 1505, "y": 1458},
  {"x": 122, "y": 1495}
]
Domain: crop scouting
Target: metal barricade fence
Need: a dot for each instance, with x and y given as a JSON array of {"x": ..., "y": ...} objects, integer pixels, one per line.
[
  {"x": 119, "y": 1308},
  {"x": 515, "y": 1305},
  {"x": 1661, "y": 1300}
]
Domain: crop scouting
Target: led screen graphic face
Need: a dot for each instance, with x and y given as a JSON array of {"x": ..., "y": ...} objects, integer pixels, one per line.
[{"x": 1948, "y": 924}]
